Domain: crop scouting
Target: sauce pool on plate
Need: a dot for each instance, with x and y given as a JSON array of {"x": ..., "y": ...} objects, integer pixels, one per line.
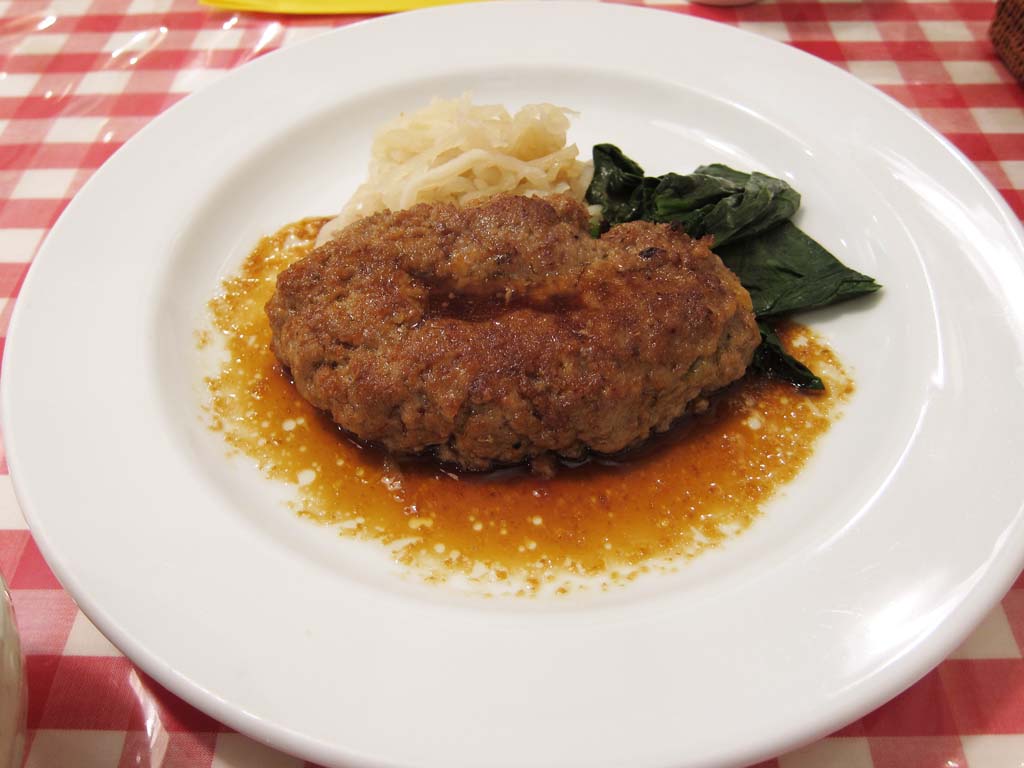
[{"x": 598, "y": 523}]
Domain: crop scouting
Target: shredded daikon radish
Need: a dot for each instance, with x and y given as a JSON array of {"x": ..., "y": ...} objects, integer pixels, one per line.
[{"x": 456, "y": 151}]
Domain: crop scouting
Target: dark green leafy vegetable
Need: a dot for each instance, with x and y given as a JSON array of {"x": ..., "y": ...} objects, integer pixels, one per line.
[
  {"x": 615, "y": 184},
  {"x": 758, "y": 203},
  {"x": 785, "y": 271},
  {"x": 713, "y": 200},
  {"x": 748, "y": 215},
  {"x": 772, "y": 359}
]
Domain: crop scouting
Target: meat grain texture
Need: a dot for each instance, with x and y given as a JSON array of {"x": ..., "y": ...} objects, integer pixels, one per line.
[{"x": 504, "y": 332}]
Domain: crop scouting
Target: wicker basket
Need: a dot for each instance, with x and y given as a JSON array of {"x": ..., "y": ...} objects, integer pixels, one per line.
[{"x": 1007, "y": 33}]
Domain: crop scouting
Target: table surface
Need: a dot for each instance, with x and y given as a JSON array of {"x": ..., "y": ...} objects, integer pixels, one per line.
[{"x": 78, "y": 78}]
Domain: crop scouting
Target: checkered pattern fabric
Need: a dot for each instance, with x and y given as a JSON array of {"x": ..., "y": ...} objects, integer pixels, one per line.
[{"x": 79, "y": 77}]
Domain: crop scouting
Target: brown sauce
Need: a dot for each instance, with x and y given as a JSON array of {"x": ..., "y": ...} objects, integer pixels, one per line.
[{"x": 601, "y": 522}]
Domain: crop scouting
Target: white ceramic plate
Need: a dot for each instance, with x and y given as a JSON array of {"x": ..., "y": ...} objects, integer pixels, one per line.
[{"x": 903, "y": 531}]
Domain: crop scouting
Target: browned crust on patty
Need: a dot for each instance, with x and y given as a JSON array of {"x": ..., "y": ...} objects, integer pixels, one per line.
[{"x": 502, "y": 331}]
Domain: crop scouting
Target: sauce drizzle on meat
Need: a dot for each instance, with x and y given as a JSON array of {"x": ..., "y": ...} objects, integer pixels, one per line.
[{"x": 602, "y": 522}]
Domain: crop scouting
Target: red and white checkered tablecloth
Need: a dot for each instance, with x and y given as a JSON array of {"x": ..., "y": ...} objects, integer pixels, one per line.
[{"x": 78, "y": 78}]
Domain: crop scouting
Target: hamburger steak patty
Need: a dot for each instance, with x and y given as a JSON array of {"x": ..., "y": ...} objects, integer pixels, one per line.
[{"x": 503, "y": 331}]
